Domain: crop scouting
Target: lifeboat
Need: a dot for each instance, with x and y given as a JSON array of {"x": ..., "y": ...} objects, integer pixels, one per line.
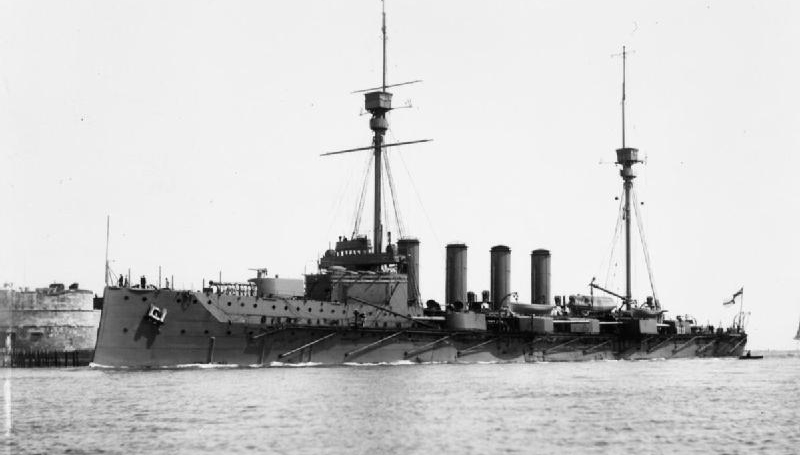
[
  {"x": 584, "y": 304},
  {"x": 530, "y": 309}
]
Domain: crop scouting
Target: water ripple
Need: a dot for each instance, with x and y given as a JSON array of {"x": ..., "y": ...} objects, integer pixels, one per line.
[{"x": 692, "y": 406}]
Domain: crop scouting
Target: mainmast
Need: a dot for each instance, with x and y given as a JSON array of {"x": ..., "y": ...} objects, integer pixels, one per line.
[
  {"x": 378, "y": 104},
  {"x": 627, "y": 157}
]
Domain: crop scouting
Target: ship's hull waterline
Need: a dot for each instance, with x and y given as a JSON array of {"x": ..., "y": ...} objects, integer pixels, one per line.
[{"x": 197, "y": 330}]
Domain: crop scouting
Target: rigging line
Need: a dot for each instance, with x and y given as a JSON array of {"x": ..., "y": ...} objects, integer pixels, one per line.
[
  {"x": 111, "y": 274},
  {"x": 615, "y": 238},
  {"x": 395, "y": 202},
  {"x": 357, "y": 210},
  {"x": 395, "y": 196},
  {"x": 385, "y": 213},
  {"x": 362, "y": 197},
  {"x": 618, "y": 246},
  {"x": 419, "y": 199},
  {"x": 388, "y": 190},
  {"x": 334, "y": 215},
  {"x": 644, "y": 246}
]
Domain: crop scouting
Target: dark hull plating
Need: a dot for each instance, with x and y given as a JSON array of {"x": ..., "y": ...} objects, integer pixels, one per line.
[{"x": 191, "y": 334}]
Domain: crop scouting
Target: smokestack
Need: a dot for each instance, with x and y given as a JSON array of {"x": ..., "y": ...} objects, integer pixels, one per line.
[
  {"x": 500, "y": 276},
  {"x": 409, "y": 248},
  {"x": 455, "y": 287},
  {"x": 540, "y": 277}
]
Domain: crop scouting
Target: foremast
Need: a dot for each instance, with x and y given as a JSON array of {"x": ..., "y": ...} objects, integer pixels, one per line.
[
  {"x": 627, "y": 157},
  {"x": 378, "y": 103}
]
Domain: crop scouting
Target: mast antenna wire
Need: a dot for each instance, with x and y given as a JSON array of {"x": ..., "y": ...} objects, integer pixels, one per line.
[
  {"x": 644, "y": 247},
  {"x": 419, "y": 199},
  {"x": 344, "y": 188},
  {"x": 362, "y": 197},
  {"x": 385, "y": 213},
  {"x": 395, "y": 201},
  {"x": 614, "y": 240}
]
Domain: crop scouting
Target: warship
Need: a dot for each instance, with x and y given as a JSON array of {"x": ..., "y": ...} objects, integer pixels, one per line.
[{"x": 363, "y": 305}]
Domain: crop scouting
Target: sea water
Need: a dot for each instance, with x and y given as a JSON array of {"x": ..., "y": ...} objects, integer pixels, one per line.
[{"x": 676, "y": 406}]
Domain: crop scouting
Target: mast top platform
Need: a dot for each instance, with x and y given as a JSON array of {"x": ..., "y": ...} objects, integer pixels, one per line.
[
  {"x": 628, "y": 156},
  {"x": 378, "y": 102}
]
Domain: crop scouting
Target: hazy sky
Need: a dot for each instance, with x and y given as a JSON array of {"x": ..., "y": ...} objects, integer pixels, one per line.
[{"x": 198, "y": 127}]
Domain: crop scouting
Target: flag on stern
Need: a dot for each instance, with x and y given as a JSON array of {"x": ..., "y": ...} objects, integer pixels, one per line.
[{"x": 738, "y": 293}]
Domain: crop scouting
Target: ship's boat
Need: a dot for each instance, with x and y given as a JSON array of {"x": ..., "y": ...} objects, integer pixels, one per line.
[
  {"x": 645, "y": 313},
  {"x": 528, "y": 309},
  {"x": 363, "y": 305},
  {"x": 585, "y": 304},
  {"x": 797, "y": 335},
  {"x": 749, "y": 356}
]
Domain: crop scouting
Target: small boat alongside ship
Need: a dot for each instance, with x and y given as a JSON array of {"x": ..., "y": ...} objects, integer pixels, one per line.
[
  {"x": 749, "y": 356},
  {"x": 363, "y": 305},
  {"x": 797, "y": 335}
]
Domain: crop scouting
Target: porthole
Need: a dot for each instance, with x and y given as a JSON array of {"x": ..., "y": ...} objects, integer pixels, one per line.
[
  {"x": 183, "y": 331},
  {"x": 321, "y": 310},
  {"x": 255, "y": 305},
  {"x": 333, "y": 311},
  {"x": 250, "y": 333},
  {"x": 273, "y": 307},
  {"x": 124, "y": 330},
  {"x": 144, "y": 299},
  {"x": 209, "y": 302},
  {"x": 205, "y": 331},
  {"x": 194, "y": 301},
  {"x": 309, "y": 310},
  {"x": 125, "y": 298},
  {"x": 298, "y": 308},
  {"x": 229, "y": 332},
  {"x": 242, "y": 304},
  {"x": 285, "y": 308},
  {"x": 178, "y": 300},
  {"x": 229, "y": 303}
]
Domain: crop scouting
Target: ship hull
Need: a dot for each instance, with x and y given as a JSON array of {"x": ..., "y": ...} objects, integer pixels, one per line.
[{"x": 193, "y": 334}]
